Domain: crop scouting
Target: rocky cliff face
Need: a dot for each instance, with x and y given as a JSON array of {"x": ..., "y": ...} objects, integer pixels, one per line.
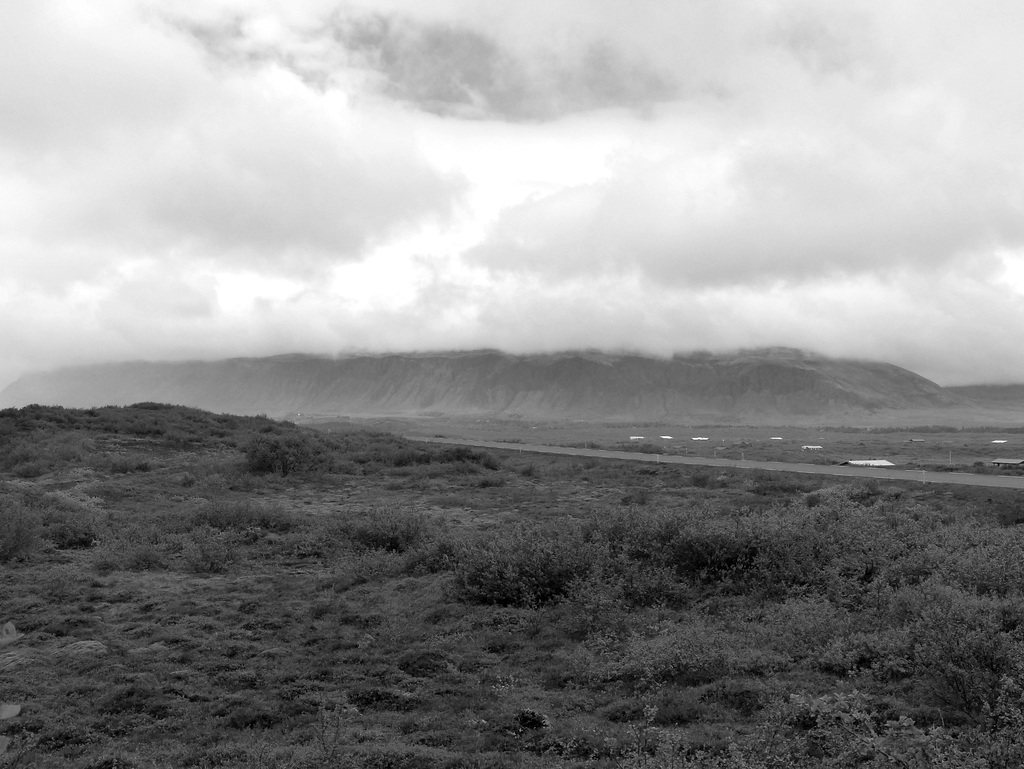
[{"x": 577, "y": 385}]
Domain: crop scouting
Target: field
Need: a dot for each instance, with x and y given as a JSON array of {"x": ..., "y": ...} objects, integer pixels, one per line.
[
  {"x": 195, "y": 590},
  {"x": 964, "y": 449}
]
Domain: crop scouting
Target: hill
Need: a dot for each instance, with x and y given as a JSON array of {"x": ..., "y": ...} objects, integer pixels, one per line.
[
  {"x": 776, "y": 383},
  {"x": 996, "y": 396}
]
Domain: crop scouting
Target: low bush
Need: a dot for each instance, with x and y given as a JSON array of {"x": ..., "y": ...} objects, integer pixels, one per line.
[
  {"x": 391, "y": 528},
  {"x": 701, "y": 479},
  {"x": 885, "y": 654},
  {"x": 367, "y": 566},
  {"x": 19, "y": 530},
  {"x": 375, "y": 698},
  {"x": 71, "y": 534},
  {"x": 130, "y": 464},
  {"x": 777, "y": 484},
  {"x": 637, "y": 496},
  {"x": 464, "y": 454},
  {"x": 240, "y": 515},
  {"x": 688, "y": 654},
  {"x": 209, "y": 551},
  {"x": 745, "y": 696},
  {"x": 962, "y": 645},
  {"x": 525, "y": 567},
  {"x": 286, "y": 454},
  {"x": 144, "y": 557}
]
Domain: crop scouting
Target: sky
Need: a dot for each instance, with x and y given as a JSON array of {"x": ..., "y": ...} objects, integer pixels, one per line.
[{"x": 219, "y": 178}]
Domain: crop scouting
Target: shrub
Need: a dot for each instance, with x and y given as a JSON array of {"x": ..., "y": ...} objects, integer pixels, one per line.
[
  {"x": 19, "y": 530},
  {"x": 32, "y": 469},
  {"x": 961, "y": 646},
  {"x": 409, "y": 456},
  {"x": 775, "y": 484},
  {"x": 701, "y": 479},
  {"x": 713, "y": 556},
  {"x": 367, "y": 566},
  {"x": 285, "y": 454},
  {"x": 71, "y": 534},
  {"x": 885, "y": 654},
  {"x": 637, "y": 496},
  {"x": 209, "y": 551},
  {"x": 690, "y": 654},
  {"x": 144, "y": 557},
  {"x": 843, "y": 730},
  {"x": 802, "y": 626},
  {"x": 676, "y": 707},
  {"x": 241, "y": 515},
  {"x": 66, "y": 523},
  {"x": 375, "y": 698},
  {"x": 745, "y": 696},
  {"x": 464, "y": 454},
  {"x": 143, "y": 697},
  {"x": 422, "y": 662},
  {"x": 390, "y": 528},
  {"x": 106, "y": 559},
  {"x": 594, "y": 605},
  {"x": 525, "y": 567}
]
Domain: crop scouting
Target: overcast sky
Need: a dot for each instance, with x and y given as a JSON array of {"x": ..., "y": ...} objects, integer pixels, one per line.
[{"x": 215, "y": 178}]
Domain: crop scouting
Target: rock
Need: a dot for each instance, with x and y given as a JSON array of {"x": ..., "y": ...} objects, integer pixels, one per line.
[{"x": 8, "y": 634}]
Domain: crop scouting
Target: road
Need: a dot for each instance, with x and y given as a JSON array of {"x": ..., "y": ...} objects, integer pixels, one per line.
[{"x": 880, "y": 473}]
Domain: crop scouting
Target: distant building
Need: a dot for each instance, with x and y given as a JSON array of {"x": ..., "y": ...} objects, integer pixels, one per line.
[
  {"x": 999, "y": 441},
  {"x": 775, "y": 438},
  {"x": 636, "y": 437},
  {"x": 870, "y": 463},
  {"x": 666, "y": 437},
  {"x": 1008, "y": 462},
  {"x": 698, "y": 439},
  {"x": 810, "y": 448}
]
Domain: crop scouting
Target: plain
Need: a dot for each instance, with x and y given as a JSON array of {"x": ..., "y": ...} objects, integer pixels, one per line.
[{"x": 197, "y": 590}]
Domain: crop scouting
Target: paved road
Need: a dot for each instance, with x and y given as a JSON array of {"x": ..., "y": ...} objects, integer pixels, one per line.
[{"x": 881, "y": 473}]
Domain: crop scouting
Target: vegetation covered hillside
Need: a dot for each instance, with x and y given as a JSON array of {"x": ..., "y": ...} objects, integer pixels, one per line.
[
  {"x": 761, "y": 386},
  {"x": 195, "y": 590}
]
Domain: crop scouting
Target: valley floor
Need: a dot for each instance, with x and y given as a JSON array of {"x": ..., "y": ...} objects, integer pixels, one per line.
[{"x": 191, "y": 590}]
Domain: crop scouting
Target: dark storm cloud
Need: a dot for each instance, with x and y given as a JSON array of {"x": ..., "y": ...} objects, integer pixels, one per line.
[
  {"x": 841, "y": 43},
  {"x": 451, "y": 70}
]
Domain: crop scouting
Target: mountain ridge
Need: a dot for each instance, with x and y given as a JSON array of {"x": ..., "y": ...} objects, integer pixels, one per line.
[{"x": 585, "y": 384}]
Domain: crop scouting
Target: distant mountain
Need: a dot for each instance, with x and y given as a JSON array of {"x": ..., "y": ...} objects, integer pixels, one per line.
[
  {"x": 995, "y": 396},
  {"x": 765, "y": 385}
]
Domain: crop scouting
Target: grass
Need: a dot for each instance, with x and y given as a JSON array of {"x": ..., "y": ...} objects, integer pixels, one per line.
[
  {"x": 381, "y": 604},
  {"x": 930, "y": 447}
]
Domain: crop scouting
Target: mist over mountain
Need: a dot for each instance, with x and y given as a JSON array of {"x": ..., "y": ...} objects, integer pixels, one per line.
[{"x": 752, "y": 385}]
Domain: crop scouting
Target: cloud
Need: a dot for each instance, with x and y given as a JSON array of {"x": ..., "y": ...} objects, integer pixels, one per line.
[
  {"x": 122, "y": 141},
  {"x": 245, "y": 177},
  {"x": 828, "y": 152},
  {"x": 762, "y": 214},
  {"x": 72, "y": 79},
  {"x": 445, "y": 68}
]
